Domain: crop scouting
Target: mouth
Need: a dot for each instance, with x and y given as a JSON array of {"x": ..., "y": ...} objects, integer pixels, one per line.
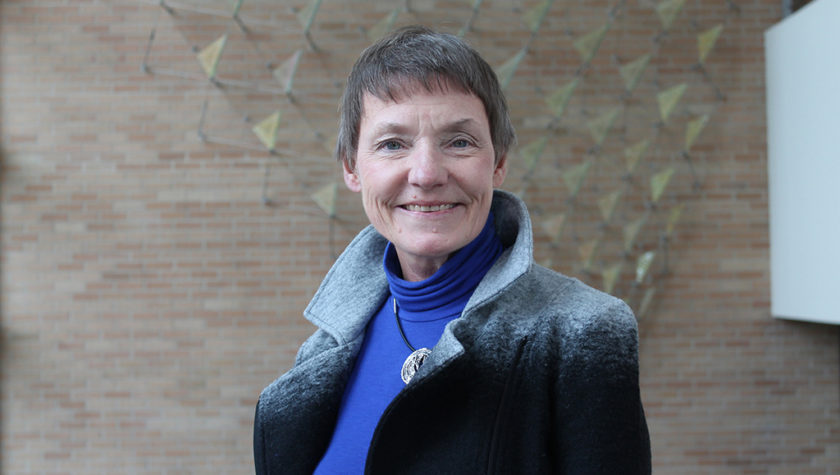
[{"x": 429, "y": 208}]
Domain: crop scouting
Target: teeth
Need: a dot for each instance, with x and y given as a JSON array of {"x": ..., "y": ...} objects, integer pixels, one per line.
[{"x": 429, "y": 208}]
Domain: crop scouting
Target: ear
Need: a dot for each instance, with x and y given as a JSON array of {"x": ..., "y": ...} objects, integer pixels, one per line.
[
  {"x": 351, "y": 178},
  {"x": 500, "y": 172}
]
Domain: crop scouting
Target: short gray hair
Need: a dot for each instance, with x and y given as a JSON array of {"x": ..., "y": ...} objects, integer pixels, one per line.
[{"x": 417, "y": 55}]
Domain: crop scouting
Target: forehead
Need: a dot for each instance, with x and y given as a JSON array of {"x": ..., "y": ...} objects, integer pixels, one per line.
[{"x": 419, "y": 106}]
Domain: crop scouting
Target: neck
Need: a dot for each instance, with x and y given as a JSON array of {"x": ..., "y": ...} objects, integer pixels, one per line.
[{"x": 415, "y": 269}]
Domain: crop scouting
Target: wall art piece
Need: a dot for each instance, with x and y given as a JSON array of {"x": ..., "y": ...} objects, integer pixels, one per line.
[
  {"x": 558, "y": 99},
  {"x": 693, "y": 129},
  {"x": 506, "y": 71},
  {"x": 209, "y": 57},
  {"x": 706, "y": 41},
  {"x": 266, "y": 130},
  {"x": 659, "y": 182},
  {"x": 536, "y": 14},
  {"x": 600, "y": 156},
  {"x": 632, "y": 72},
  {"x": 588, "y": 44},
  {"x": 609, "y": 276},
  {"x": 643, "y": 264},
  {"x": 667, "y": 12},
  {"x": 668, "y": 100}
]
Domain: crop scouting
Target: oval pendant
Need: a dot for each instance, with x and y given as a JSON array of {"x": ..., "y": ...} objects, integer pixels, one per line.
[{"x": 413, "y": 363}]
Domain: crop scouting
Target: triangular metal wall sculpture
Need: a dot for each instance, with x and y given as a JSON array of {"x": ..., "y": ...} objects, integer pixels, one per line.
[
  {"x": 266, "y": 130},
  {"x": 634, "y": 153},
  {"x": 558, "y": 100},
  {"x": 646, "y": 302},
  {"x": 575, "y": 176},
  {"x": 209, "y": 56},
  {"x": 658, "y": 182},
  {"x": 553, "y": 226},
  {"x": 306, "y": 16},
  {"x": 506, "y": 71},
  {"x": 325, "y": 198},
  {"x": 668, "y": 100},
  {"x": 706, "y": 41},
  {"x": 534, "y": 16},
  {"x": 383, "y": 26},
  {"x": 600, "y": 126},
  {"x": 588, "y": 44},
  {"x": 599, "y": 222},
  {"x": 609, "y": 276},
  {"x": 667, "y": 12},
  {"x": 607, "y": 204},
  {"x": 632, "y": 72},
  {"x": 285, "y": 73},
  {"x": 643, "y": 264},
  {"x": 531, "y": 153},
  {"x": 587, "y": 252},
  {"x": 631, "y": 232},
  {"x": 476, "y": 5},
  {"x": 693, "y": 129},
  {"x": 673, "y": 217}
]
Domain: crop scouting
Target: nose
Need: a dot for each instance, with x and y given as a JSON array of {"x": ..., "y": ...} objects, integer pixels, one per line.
[{"x": 428, "y": 167}]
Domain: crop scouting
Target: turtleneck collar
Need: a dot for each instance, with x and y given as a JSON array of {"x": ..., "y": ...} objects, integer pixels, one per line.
[{"x": 444, "y": 294}]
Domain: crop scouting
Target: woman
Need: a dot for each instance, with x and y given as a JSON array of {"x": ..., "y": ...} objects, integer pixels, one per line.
[{"x": 441, "y": 346}]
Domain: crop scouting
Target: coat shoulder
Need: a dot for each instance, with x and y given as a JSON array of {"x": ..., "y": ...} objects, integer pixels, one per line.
[{"x": 574, "y": 312}]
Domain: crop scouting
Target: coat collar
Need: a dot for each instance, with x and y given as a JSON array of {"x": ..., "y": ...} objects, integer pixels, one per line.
[{"x": 354, "y": 289}]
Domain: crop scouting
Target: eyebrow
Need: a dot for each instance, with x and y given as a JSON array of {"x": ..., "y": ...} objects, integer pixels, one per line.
[{"x": 398, "y": 128}]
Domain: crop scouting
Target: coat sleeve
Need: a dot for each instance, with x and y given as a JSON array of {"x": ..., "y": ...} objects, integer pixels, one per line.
[{"x": 600, "y": 423}]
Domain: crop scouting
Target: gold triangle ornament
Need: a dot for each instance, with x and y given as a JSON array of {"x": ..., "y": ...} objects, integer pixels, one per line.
[
  {"x": 647, "y": 300},
  {"x": 634, "y": 153},
  {"x": 285, "y": 73},
  {"x": 266, "y": 130},
  {"x": 383, "y": 26},
  {"x": 237, "y": 4},
  {"x": 587, "y": 252},
  {"x": 668, "y": 100},
  {"x": 532, "y": 152},
  {"x": 667, "y": 11},
  {"x": 331, "y": 143},
  {"x": 553, "y": 226},
  {"x": 643, "y": 264},
  {"x": 506, "y": 71},
  {"x": 325, "y": 198},
  {"x": 210, "y": 55},
  {"x": 575, "y": 176},
  {"x": 306, "y": 16},
  {"x": 600, "y": 126},
  {"x": 560, "y": 97},
  {"x": 607, "y": 204},
  {"x": 534, "y": 16},
  {"x": 631, "y": 231},
  {"x": 706, "y": 41},
  {"x": 588, "y": 44},
  {"x": 673, "y": 218},
  {"x": 659, "y": 182},
  {"x": 609, "y": 276},
  {"x": 693, "y": 129},
  {"x": 631, "y": 72}
]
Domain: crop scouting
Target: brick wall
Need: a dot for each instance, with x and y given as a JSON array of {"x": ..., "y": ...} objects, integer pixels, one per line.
[{"x": 153, "y": 282}]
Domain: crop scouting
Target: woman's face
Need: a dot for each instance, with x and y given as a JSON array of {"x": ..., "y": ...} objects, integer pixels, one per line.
[{"x": 426, "y": 170}]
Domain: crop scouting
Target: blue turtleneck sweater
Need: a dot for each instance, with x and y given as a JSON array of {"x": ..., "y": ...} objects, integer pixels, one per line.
[{"x": 424, "y": 309}]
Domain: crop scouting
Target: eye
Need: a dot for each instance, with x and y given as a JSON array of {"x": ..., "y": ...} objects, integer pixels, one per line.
[
  {"x": 390, "y": 145},
  {"x": 460, "y": 143}
]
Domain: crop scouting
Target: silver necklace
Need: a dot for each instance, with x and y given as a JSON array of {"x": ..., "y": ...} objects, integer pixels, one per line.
[{"x": 416, "y": 358}]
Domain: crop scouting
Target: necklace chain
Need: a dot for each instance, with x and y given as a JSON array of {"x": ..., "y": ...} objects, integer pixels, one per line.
[{"x": 399, "y": 326}]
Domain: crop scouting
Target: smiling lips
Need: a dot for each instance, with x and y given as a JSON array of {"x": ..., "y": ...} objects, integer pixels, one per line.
[{"x": 427, "y": 209}]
